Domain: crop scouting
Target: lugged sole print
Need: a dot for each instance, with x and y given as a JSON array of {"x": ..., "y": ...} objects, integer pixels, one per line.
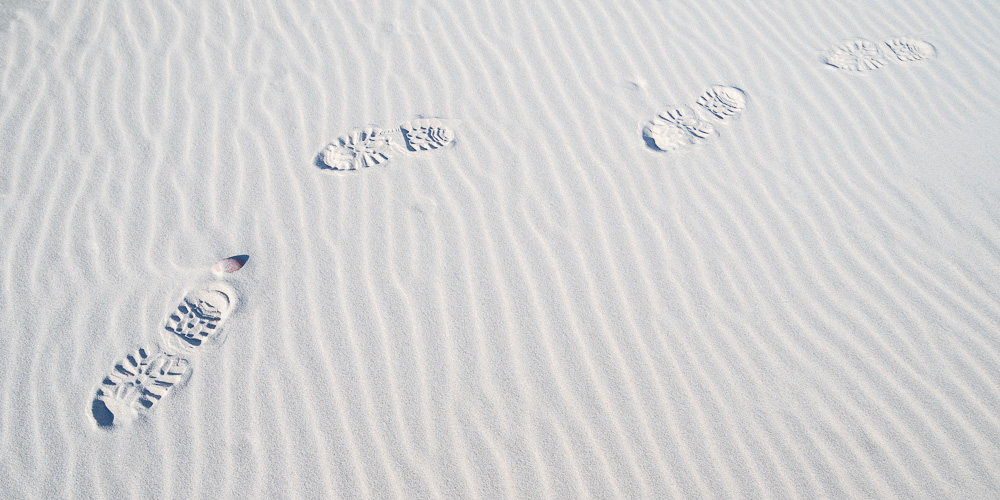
[
  {"x": 369, "y": 147},
  {"x": 200, "y": 315},
  {"x": 861, "y": 55},
  {"x": 135, "y": 385},
  {"x": 683, "y": 126},
  {"x": 725, "y": 103},
  {"x": 424, "y": 135},
  {"x": 677, "y": 127},
  {"x": 855, "y": 55},
  {"x": 139, "y": 381},
  {"x": 360, "y": 148}
]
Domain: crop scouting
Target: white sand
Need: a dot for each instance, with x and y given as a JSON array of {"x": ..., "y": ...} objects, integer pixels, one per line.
[{"x": 799, "y": 301}]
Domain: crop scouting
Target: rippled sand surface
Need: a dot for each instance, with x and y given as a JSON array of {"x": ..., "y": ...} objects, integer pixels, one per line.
[{"x": 497, "y": 249}]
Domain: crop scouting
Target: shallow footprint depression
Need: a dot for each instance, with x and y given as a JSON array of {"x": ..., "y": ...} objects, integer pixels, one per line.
[
  {"x": 361, "y": 148},
  {"x": 723, "y": 102},
  {"x": 676, "y": 128},
  {"x": 199, "y": 316},
  {"x": 135, "y": 385},
  {"x": 855, "y": 55},
  {"x": 426, "y": 134}
]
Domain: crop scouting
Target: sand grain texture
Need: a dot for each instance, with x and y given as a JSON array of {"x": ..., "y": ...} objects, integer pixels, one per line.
[{"x": 802, "y": 300}]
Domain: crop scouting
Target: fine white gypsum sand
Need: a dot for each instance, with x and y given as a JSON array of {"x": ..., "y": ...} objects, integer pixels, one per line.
[{"x": 517, "y": 294}]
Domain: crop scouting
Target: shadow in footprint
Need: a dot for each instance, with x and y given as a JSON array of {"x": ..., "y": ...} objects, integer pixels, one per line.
[
  {"x": 651, "y": 143},
  {"x": 102, "y": 415}
]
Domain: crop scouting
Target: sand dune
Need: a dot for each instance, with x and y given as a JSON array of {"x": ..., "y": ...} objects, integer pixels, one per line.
[{"x": 500, "y": 250}]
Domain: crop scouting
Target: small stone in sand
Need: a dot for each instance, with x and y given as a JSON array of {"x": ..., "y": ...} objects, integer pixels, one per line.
[{"x": 230, "y": 265}]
